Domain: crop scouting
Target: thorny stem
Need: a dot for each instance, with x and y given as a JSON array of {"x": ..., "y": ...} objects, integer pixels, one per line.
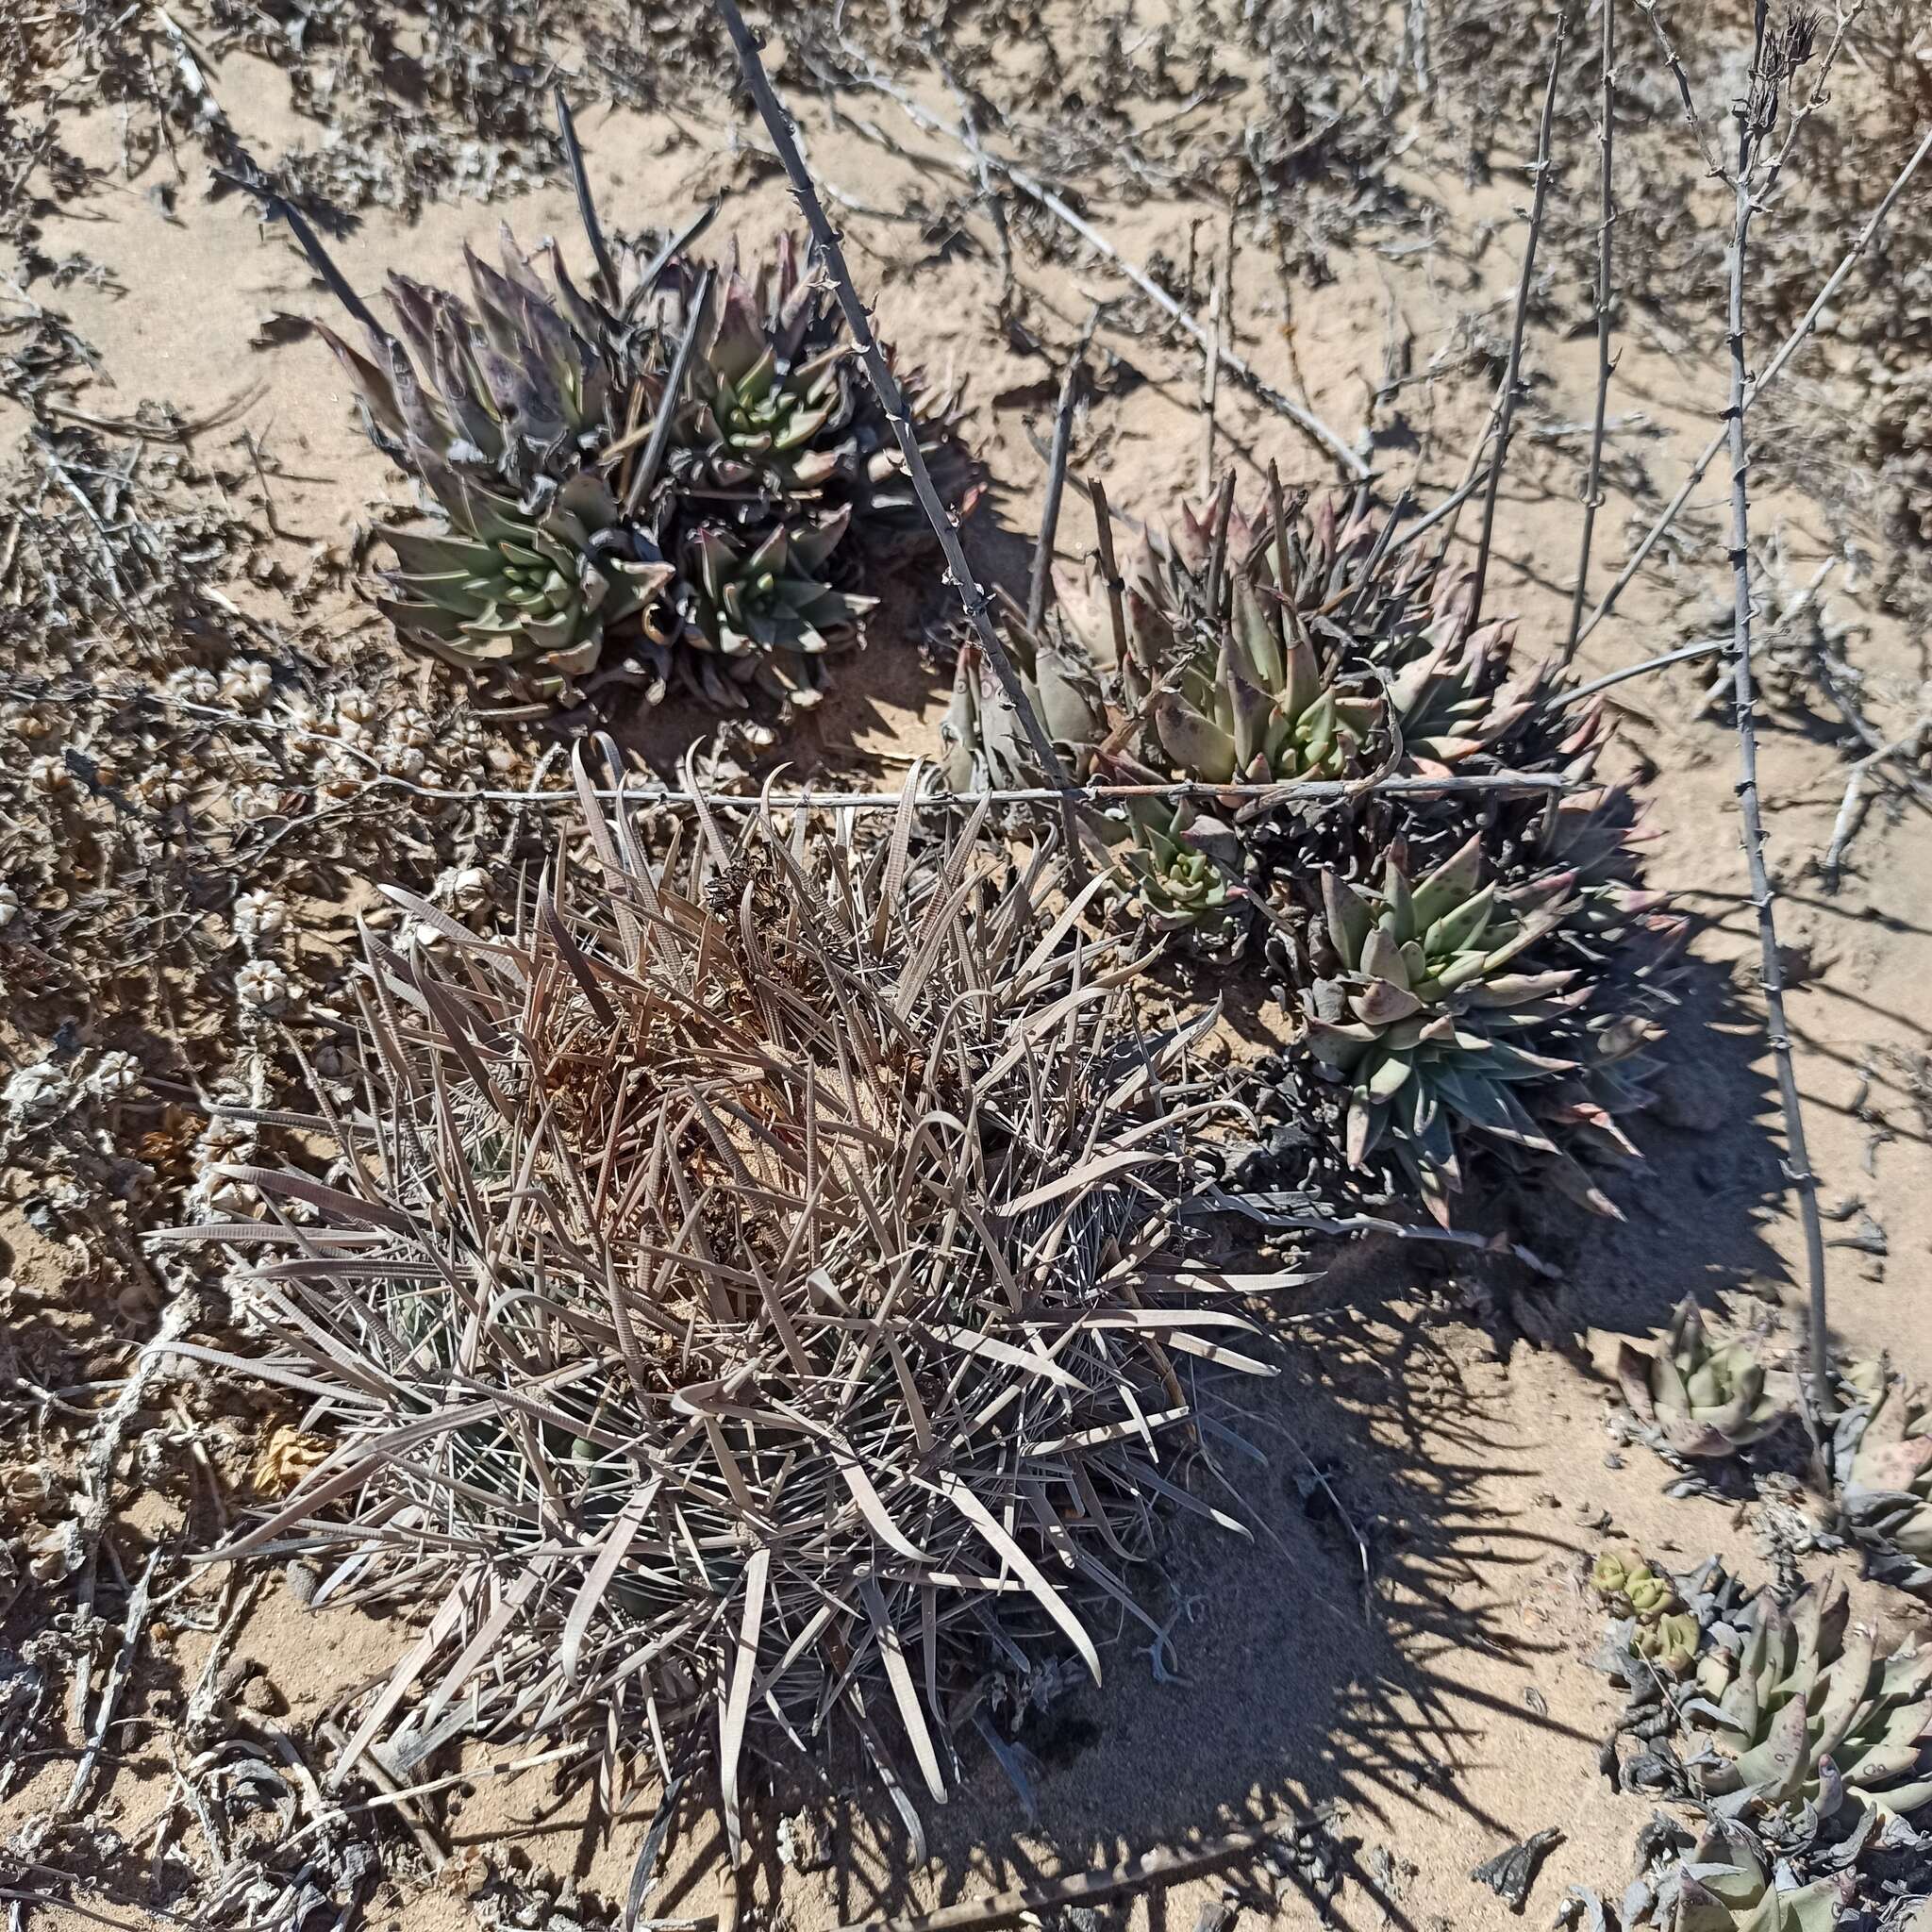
[
  {"x": 646, "y": 476},
  {"x": 1506, "y": 403},
  {"x": 1593, "y": 489},
  {"x": 1693, "y": 119},
  {"x": 1754, "y": 115},
  {"x": 1041, "y": 584},
  {"x": 1704, "y": 647},
  {"x": 886, "y": 387},
  {"x": 1243, "y": 372},
  {"x": 1772, "y": 371},
  {"x": 1110, "y": 570},
  {"x": 587, "y": 207},
  {"x": 1210, "y": 376}
]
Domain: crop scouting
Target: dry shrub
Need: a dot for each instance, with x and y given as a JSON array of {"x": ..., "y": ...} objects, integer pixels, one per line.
[{"x": 750, "y": 1296}]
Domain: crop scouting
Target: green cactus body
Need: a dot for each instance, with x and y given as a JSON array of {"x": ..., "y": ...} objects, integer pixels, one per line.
[
  {"x": 529, "y": 592},
  {"x": 525, "y": 411},
  {"x": 1725, "y": 1884},
  {"x": 1418, "y": 1014},
  {"x": 761, "y": 611},
  {"x": 1800, "y": 1689},
  {"x": 1703, "y": 1400}
]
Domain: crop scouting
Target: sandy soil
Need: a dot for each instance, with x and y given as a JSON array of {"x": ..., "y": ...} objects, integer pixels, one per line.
[{"x": 1446, "y": 1709}]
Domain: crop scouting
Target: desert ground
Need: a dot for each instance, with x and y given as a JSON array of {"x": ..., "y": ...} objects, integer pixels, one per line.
[{"x": 1390, "y": 1673}]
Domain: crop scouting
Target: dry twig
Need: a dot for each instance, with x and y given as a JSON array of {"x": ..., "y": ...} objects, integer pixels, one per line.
[
  {"x": 1755, "y": 118},
  {"x": 886, "y": 387},
  {"x": 1605, "y": 292},
  {"x": 1799, "y": 334},
  {"x": 1243, "y": 372},
  {"x": 1506, "y": 402}
]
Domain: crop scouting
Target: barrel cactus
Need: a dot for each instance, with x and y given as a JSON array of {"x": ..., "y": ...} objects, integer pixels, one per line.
[
  {"x": 1630, "y": 1585},
  {"x": 1174, "y": 866},
  {"x": 1670, "y": 1643},
  {"x": 1652, "y": 1630},
  {"x": 1235, "y": 686},
  {"x": 1697, "y": 1398},
  {"x": 1311, "y": 644},
  {"x": 1169, "y": 863},
  {"x": 751, "y": 1303},
  {"x": 983, "y": 746},
  {"x": 772, "y": 380}
]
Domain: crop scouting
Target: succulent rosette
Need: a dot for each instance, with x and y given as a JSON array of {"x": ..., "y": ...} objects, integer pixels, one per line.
[{"x": 531, "y": 411}]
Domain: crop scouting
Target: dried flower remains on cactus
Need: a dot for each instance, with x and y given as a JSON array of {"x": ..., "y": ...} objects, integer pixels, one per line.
[
  {"x": 751, "y": 1298},
  {"x": 592, "y": 455}
]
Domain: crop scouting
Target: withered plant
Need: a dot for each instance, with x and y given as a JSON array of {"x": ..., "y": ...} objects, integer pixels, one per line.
[{"x": 749, "y": 1297}]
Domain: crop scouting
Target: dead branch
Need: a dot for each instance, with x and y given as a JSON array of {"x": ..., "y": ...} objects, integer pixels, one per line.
[
  {"x": 886, "y": 387},
  {"x": 1773, "y": 370},
  {"x": 1755, "y": 117},
  {"x": 1606, "y": 293},
  {"x": 1034, "y": 191},
  {"x": 1506, "y": 402}
]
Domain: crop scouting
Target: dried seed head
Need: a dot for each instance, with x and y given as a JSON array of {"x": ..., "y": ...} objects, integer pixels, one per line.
[
  {"x": 465, "y": 888},
  {"x": 246, "y": 685},
  {"x": 113, "y": 1076},
  {"x": 192, "y": 684},
  {"x": 264, "y": 987},
  {"x": 50, "y": 777}
]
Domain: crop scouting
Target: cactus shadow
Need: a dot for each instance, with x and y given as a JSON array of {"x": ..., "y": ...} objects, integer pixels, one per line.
[
  {"x": 1318, "y": 1668},
  {"x": 1696, "y": 1212},
  {"x": 1355, "y": 1648}
]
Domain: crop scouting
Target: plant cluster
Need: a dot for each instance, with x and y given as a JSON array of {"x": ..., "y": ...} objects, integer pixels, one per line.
[
  {"x": 1696, "y": 1398},
  {"x": 1653, "y": 1627},
  {"x": 1466, "y": 970},
  {"x": 750, "y": 1291},
  {"x": 1799, "y": 1709},
  {"x": 1806, "y": 1744},
  {"x": 1880, "y": 1457},
  {"x": 674, "y": 475}
]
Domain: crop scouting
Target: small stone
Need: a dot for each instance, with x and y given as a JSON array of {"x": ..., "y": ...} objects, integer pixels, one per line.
[
  {"x": 803, "y": 1843},
  {"x": 261, "y": 1697}
]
